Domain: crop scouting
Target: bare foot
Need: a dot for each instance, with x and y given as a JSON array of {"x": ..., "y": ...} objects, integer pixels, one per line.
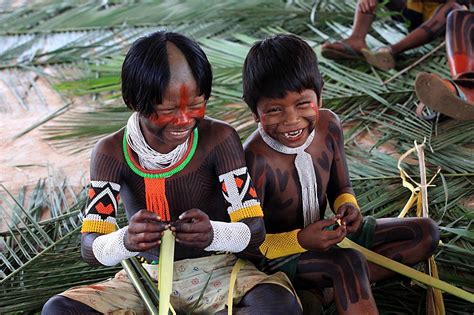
[{"x": 356, "y": 44}]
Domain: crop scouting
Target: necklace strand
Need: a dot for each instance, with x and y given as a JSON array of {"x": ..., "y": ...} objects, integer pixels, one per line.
[
  {"x": 149, "y": 158},
  {"x": 306, "y": 174}
]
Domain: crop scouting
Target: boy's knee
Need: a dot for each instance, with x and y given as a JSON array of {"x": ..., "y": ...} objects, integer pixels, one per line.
[
  {"x": 272, "y": 299},
  {"x": 431, "y": 235},
  {"x": 350, "y": 254},
  {"x": 349, "y": 261},
  {"x": 288, "y": 302}
]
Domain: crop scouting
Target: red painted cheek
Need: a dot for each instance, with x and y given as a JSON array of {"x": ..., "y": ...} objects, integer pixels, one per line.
[
  {"x": 316, "y": 110},
  {"x": 161, "y": 120},
  {"x": 198, "y": 113}
]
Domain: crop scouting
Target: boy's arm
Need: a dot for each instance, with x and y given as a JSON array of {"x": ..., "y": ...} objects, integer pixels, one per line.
[
  {"x": 101, "y": 242},
  {"x": 276, "y": 245},
  {"x": 246, "y": 230},
  {"x": 340, "y": 194},
  {"x": 99, "y": 224}
]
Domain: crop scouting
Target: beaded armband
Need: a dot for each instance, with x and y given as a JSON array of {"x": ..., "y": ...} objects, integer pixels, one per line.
[
  {"x": 281, "y": 244},
  {"x": 101, "y": 208},
  {"x": 238, "y": 191}
]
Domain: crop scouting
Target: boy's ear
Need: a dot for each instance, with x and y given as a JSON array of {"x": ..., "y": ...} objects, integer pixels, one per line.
[{"x": 255, "y": 117}]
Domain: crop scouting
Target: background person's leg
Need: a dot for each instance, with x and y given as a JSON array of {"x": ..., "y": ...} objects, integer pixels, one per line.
[
  {"x": 427, "y": 31},
  {"x": 460, "y": 44}
]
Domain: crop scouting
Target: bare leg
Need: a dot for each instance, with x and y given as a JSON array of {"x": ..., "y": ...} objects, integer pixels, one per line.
[
  {"x": 460, "y": 44},
  {"x": 346, "y": 271},
  {"x": 428, "y": 31},
  {"x": 408, "y": 241},
  {"x": 267, "y": 299},
  {"x": 362, "y": 24},
  {"x": 360, "y": 28},
  {"x": 454, "y": 98}
]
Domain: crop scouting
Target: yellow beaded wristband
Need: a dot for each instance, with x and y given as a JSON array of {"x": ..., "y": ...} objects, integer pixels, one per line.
[
  {"x": 345, "y": 198},
  {"x": 281, "y": 244},
  {"x": 97, "y": 227},
  {"x": 247, "y": 212}
]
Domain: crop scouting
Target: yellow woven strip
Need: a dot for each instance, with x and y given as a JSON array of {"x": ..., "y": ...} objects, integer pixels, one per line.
[
  {"x": 165, "y": 271},
  {"x": 248, "y": 212},
  {"x": 233, "y": 277},
  {"x": 281, "y": 244},
  {"x": 345, "y": 198},
  {"x": 407, "y": 271},
  {"x": 101, "y": 227}
]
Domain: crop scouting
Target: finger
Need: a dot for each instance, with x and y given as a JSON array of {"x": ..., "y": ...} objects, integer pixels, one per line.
[
  {"x": 193, "y": 237},
  {"x": 192, "y": 214},
  {"x": 145, "y": 215},
  {"x": 326, "y": 222},
  {"x": 350, "y": 218},
  {"x": 146, "y": 237},
  {"x": 335, "y": 234},
  {"x": 146, "y": 227},
  {"x": 354, "y": 226},
  {"x": 183, "y": 227},
  {"x": 194, "y": 244},
  {"x": 342, "y": 210},
  {"x": 144, "y": 246}
]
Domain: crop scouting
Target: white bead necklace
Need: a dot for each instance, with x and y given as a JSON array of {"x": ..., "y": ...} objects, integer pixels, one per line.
[
  {"x": 306, "y": 174},
  {"x": 147, "y": 157}
]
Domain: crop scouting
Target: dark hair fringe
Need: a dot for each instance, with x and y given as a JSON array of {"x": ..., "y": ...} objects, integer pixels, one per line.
[
  {"x": 277, "y": 65},
  {"x": 146, "y": 71}
]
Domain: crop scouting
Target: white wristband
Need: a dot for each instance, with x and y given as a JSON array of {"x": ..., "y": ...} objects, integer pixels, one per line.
[
  {"x": 109, "y": 249},
  {"x": 229, "y": 237}
]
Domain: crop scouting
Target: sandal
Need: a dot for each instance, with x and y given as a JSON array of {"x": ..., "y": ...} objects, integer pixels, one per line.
[
  {"x": 382, "y": 59},
  {"x": 346, "y": 53},
  {"x": 432, "y": 92}
]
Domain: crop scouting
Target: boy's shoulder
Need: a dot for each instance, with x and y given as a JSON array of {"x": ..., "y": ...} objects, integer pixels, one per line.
[
  {"x": 327, "y": 115},
  {"x": 329, "y": 122},
  {"x": 215, "y": 130},
  {"x": 111, "y": 145},
  {"x": 254, "y": 142},
  {"x": 215, "y": 127},
  {"x": 256, "y": 150}
]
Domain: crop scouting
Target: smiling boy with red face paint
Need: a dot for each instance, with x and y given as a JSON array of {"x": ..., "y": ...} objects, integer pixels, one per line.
[
  {"x": 297, "y": 160},
  {"x": 174, "y": 169}
]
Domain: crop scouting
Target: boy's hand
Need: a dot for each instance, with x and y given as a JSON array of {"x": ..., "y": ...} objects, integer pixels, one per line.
[
  {"x": 315, "y": 237},
  {"x": 350, "y": 217},
  {"x": 193, "y": 229},
  {"x": 144, "y": 231}
]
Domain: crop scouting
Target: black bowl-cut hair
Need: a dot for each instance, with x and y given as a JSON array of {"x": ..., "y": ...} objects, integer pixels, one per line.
[
  {"x": 146, "y": 70},
  {"x": 278, "y": 65}
]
